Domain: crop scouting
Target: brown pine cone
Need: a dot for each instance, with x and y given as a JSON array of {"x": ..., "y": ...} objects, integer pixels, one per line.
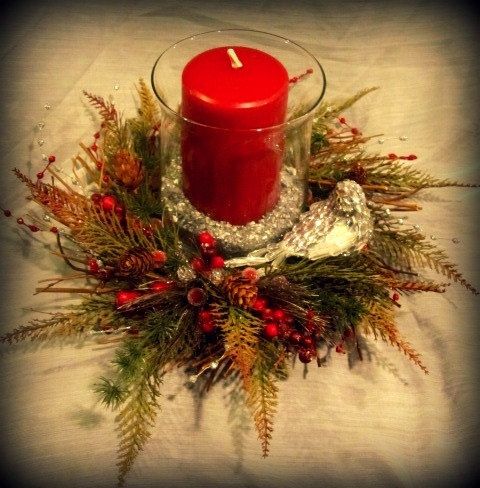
[
  {"x": 127, "y": 169},
  {"x": 240, "y": 291},
  {"x": 134, "y": 263},
  {"x": 357, "y": 173}
]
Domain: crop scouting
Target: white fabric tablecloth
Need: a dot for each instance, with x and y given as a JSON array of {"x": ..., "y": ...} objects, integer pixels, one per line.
[{"x": 381, "y": 423}]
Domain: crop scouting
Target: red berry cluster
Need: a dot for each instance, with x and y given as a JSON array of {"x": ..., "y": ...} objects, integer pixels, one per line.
[
  {"x": 410, "y": 157},
  {"x": 31, "y": 227},
  {"x": 51, "y": 160},
  {"x": 206, "y": 321},
  {"x": 209, "y": 259},
  {"x": 280, "y": 325},
  {"x": 353, "y": 130},
  {"x": 122, "y": 297},
  {"x": 109, "y": 204},
  {"x": 94, "y": 146}
]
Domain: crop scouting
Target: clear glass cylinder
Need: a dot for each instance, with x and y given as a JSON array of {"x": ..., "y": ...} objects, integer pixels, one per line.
[{"x": 236, "y": 166}]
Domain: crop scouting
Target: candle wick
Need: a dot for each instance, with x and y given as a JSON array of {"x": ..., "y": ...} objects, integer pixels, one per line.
[{"x": 236, "y": 63}]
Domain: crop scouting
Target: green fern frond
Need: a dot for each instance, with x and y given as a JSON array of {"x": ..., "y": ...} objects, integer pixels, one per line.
[
  {"x": 409, "y": 249},
  {"x": 262, "y": 394},
  {"x": 111, "y": 393},
  {"x": 241, "y": 336},
  {"x": 138, "y": 413},
  {"x": 148, "y": 110}
]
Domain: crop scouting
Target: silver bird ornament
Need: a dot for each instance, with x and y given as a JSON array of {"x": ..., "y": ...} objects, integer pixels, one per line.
[{"x": 341, "y": 224}]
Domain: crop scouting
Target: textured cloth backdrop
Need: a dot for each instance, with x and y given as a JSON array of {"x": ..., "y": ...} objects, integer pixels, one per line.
[{"x": 381, "y": 422}]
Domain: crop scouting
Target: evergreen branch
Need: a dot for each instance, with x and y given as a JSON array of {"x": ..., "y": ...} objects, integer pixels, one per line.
[
  {"x": 111, "y": 393},
  {"x": 93, "y": 313},
  {"x": 104, "y": 235},
  {"x": 380, "y": 320},
  {"x": 409, "y": 249},
  {"x": 397, "y": 175},
  {"x": 241, "y": 341},
  {"x": 139, "y": 409},
  {"x": 106, "y": 109},
  {"x": 148, "y": 105},
  {"x": 262, "y": 394},
  {"x": 139, "y": 365},
  {"x": 417, "y": 286},
  {"x": 70, "y": 209}
]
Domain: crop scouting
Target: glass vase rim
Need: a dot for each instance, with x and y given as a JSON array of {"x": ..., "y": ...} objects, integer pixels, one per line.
[{"x": 292, "y": 121}]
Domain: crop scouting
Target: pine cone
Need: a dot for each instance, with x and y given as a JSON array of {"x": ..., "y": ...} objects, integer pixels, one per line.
[
  {"x": 135, "y": 262},
  {"x": 240, "y": 291},
  {"x": 357, "y": 173},
  {"x": 127, "y": 169}
]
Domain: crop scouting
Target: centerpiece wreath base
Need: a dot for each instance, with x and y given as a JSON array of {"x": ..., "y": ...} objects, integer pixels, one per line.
[{"x": 174, "y": 303}]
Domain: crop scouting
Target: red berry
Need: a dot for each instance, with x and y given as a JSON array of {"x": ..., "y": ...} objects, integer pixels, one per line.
[
  {"x": 196, "y": 296},
  {"x": 207, "y": 327},
  {"x": 54, "y": 230},
  {"x": 260, "y": 304},
  {"x": 270, "y": 330},
  {"x": 7, "y": 213},
  {"x": 205, "y": 316},
  {"x": 279, "y": 314},
  {"x": 354, "y": 131},
  {"x": 198, "y": 265},
  {"x": 217, "y": 262},
  {"x": 342, "y": 120},
  {"x": 106, "y": 178},
  {"x": 160, "y": 285},
  {"x": 96, "y": 135},
  {"x": 309, "y": 71},
  {"x": 307, "y": 341},
  {"x": 125, "y": 296},
  {"x": 392, "y": 156},
  {"x": 20, "y": 221},
  {"x": 99, "y": 165},
  {"x": 40, "y": 175},
  {"x": 109, "y": 202},
  {"x": 295, "y": 337},
  {"x": 395, "y": 297},
  {"x": 51, "y": 158},
  {"x": 250, "y": 274},
  {"x": 94, "y": 147},
  {"x": 160, "y": 257},
  {"x": 33, "y": 228},
  {"x": 411, "y": 157},
  {"x": 93, "y": 265},
  {"x": 305, "y": 355},
  {"x": 206, "y": 238}
]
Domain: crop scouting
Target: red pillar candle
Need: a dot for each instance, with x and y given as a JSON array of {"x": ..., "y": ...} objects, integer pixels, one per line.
[{"x": 231, "y": 172}]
